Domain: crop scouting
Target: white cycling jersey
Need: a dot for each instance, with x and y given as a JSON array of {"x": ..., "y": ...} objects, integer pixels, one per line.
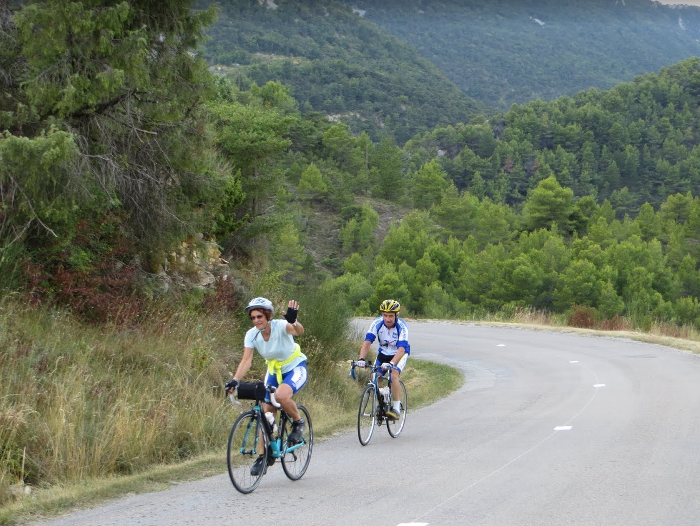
[{"x": 389, "y": 340}]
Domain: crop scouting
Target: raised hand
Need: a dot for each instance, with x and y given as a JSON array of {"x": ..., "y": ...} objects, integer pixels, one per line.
[{"x": 292, "y": 311}]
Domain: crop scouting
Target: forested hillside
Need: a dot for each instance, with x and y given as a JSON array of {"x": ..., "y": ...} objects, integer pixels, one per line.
[
  {"x": 336, "y": 63},
  {"x": 244, "y": 168},
  {"x": 586, "y": 201},
  {"x": 506, "y": 51},
  {"x": 360, "y": 62}
]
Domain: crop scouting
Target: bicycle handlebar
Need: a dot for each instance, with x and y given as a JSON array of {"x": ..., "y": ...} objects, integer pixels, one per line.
[
  {"x": 372, "y": 368},
  {"x": 269, "y": 388}
]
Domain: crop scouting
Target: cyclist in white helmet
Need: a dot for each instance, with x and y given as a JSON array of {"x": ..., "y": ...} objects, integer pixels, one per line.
[
  {"x": 286, "y": 364},
  {"x": 391, "y": 332}
]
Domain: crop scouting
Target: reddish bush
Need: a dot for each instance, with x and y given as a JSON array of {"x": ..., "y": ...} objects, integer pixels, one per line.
[
  {"x": 582, "y": 316},
  {"x": 224, "y": 296},
  {"x": 616, "y": 323},
  {"x": 88, "y": 273}
]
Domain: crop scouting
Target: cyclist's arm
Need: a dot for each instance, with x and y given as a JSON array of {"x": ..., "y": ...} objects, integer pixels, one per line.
[
  {"x": 245, "y": 364},
  {"x": 365, "y": 349},
  {"x": 399, "y": 354},
  {"x": 295, "y": 329}
]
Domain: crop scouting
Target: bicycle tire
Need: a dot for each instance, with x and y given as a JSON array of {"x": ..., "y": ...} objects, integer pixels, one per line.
[
  {"x": 243, "y": 450},
  {"x": 367, "y": 415},
  {"x": 396, "y": 426},
  {"x": 296, "y": 460}
]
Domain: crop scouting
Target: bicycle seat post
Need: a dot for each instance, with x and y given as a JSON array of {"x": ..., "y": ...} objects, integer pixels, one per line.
[{"x": 275, "y": 445}]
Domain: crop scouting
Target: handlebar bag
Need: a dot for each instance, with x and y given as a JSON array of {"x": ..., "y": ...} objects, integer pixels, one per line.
[{"x": 251, "y": 391}]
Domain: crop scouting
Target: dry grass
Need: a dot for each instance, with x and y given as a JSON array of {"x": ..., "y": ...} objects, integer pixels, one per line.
[
  {"x": 332, "y": 412},
  {"x": 86, "y": 412},
  {"x": 680, "y": 337}
]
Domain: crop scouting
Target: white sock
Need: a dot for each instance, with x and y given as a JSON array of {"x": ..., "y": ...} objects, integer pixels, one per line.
[{"x": 397, "y": 407}]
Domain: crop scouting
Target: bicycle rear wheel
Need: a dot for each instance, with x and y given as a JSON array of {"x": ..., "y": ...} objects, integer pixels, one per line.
[
  {"x": 366, "y": 415},
  {"x": 244, "y": 448},
  {"x": 296, "y": 457},
  {"x": 396, "y": 426}
]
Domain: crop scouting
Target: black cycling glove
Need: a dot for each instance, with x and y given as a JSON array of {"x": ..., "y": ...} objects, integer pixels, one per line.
[
  {"x": 291, "y": 315},
  {"x": 230, "y": 386}
]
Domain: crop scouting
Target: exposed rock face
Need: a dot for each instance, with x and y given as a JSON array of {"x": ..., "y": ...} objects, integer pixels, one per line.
[
  {"x": 196, "y": 263},
  {"x": 270, "y": 4}
]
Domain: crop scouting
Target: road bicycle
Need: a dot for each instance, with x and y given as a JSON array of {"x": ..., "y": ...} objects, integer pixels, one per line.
[
  {"x": 252, "y": 436},
  {"x": 375, "y": 402}
]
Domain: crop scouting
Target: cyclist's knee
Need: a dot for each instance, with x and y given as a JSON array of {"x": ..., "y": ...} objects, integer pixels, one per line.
[{"x": 282, "y": 395}]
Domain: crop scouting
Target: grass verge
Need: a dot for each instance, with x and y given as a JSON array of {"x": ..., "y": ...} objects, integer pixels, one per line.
[{"x": 425, "y": 382}]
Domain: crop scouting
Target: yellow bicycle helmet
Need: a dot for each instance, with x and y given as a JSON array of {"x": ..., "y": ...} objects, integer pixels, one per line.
[{"x": 390, "y": 306}]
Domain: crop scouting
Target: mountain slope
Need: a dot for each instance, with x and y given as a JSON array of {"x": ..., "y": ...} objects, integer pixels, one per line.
[
  {"x": 336, "y": 63},
  {"x": 505, "y": 51}
]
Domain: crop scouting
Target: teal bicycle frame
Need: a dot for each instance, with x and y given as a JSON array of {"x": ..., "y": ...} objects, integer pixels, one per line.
[{"x": 253, "y": 436}]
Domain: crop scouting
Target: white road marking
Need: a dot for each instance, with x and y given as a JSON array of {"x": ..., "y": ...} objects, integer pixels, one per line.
[
  {"x": 562, "y": 428},
  {"x": 573, "y": 361},
  {"x": 598, "y": 385},
  {"x": 501, "y": 345},
  {"x": 413, "y": 524}
]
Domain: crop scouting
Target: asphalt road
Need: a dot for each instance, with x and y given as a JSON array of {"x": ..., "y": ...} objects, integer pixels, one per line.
[{"x": 549, "y": 429}]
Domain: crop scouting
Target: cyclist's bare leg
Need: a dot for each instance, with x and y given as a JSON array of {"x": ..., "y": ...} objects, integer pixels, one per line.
[
  {"x": 395, "y": 386},
  {"x": 284, "y": 396},
  {"x": 266, "y": 407}
]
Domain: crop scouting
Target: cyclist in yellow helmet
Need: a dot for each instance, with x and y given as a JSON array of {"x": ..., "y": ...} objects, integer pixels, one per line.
[{"x": 391, "y": 333}]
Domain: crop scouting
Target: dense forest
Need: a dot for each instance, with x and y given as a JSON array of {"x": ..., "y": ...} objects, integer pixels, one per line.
[{"x": 548, "y": 205}]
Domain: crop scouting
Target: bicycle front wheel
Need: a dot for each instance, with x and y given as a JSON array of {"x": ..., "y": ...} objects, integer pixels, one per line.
[
  {"x": 246, "y": 443},
  {"x": 366, "y": 415},
  {"x": 396, "y": 426},
  {"x": 296, "y": 457}
]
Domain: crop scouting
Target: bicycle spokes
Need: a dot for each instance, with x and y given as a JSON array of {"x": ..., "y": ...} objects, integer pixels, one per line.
[
  {"x": 252, "y": 448},
  {"x": 395, "y": 426},
  {"x": 366, "y": 415},
  {"x": 247, "y": 454},
  {"x": 296, "y": 457}
]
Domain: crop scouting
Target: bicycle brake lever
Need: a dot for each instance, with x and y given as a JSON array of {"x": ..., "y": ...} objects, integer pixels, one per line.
[{"x": 273, "y": 400}]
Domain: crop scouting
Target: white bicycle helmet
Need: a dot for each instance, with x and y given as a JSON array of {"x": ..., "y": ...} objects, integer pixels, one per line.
[{"x": 260, "y": 303}]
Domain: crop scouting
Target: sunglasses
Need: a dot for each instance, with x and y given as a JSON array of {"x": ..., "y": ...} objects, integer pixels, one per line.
[{"x": 257, "y": 316}]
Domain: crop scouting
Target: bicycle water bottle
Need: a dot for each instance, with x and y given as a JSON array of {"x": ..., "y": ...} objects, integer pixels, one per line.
[
  {"x": 271, "y": 420},
  {"x": 386, "y": 394}
]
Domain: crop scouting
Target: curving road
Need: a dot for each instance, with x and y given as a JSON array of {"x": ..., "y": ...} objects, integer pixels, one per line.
[{"x": 549, "y": 429}]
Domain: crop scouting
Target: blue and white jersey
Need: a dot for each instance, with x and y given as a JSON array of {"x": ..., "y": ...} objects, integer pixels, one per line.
[{"x": 389, "y": 340}]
